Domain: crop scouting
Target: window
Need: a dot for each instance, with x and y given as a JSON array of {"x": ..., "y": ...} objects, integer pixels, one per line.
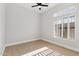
[
  {"x": 72, "y": 27},
  {"x": 60, "y": 30},
  {"x": 65, "y": 23},
  {"x": 56, "y": 30},
  {"x": 65, "y": 27}
]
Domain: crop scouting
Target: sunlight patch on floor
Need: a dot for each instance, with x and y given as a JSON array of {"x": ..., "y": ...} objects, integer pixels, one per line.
[{"x": 45, "y": 51}]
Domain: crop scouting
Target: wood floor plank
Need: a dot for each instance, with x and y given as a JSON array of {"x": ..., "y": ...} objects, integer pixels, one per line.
[{"x": 20, "y": 49}]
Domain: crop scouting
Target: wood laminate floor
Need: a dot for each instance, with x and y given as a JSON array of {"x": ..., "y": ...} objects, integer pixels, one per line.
[{"x": 20, "y": 49}]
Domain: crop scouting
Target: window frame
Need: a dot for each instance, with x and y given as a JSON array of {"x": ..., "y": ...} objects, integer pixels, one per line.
[{"x": 68, "y": 26}]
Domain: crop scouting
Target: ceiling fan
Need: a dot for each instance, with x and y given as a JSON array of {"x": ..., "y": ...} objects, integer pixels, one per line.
[{"x": 40, "y": 4}]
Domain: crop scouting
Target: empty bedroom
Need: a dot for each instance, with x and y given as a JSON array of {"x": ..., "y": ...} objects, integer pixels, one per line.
[{"x": 39, "y": 29}]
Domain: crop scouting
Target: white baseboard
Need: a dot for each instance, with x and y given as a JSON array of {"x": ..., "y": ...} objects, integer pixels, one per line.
[
  {"x": 3, "y": 51},
  {"x": 20, "y": 42},
  {"x": 65, "y": 46}
]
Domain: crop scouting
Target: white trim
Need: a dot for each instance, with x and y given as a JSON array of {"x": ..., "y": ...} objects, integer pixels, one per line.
[
  {"x": 3, "y": 50},
  {"x": 21, "y": 42},
  {"x": 65, "y": 46}
]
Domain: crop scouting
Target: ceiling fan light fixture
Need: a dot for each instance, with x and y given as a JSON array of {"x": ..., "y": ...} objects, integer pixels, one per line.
[
  {"x": 39, "y": 5},
  {"x": 40, "y": 9}
]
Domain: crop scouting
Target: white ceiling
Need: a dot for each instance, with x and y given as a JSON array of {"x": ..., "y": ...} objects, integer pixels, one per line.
[{"x": 36, "y": 9}]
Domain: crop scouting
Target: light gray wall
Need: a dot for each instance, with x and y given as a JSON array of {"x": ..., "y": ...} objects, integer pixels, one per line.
[
  {"x": 2, "y": 27},
  {"x": 22, "y": 24},
  {"x": 47, "y": 27}
]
